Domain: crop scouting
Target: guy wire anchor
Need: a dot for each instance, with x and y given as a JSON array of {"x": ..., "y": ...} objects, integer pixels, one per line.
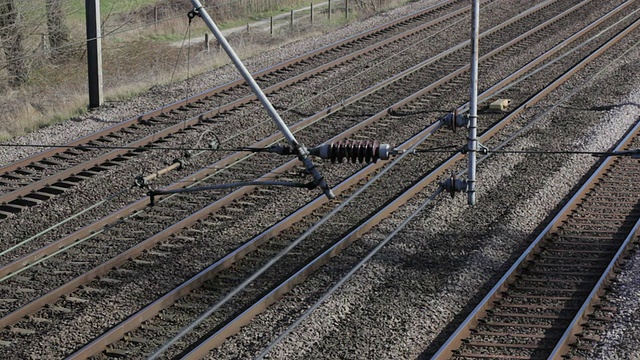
[{"x": 299, "y": 149}]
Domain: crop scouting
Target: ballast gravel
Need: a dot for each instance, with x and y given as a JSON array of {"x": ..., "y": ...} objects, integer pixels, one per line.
[{"x": 409, "y": 298}]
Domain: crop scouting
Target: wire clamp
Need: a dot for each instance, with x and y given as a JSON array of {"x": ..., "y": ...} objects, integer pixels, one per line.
[
  {"x": 180, "y": 163},
  {"x": 482, "y": 149},
  {"x": 193, "y": 13},
  {"x": 280, "y": 149},
  {"x": 634, "y": 153},
  {"x": 140, "y": 182},
  {"x": 152, "y": 197}
]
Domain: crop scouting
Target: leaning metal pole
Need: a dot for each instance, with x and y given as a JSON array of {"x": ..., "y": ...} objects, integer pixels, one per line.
[
  {"x": 300, "y": 149},
  {"x": 472, "y": 146}
]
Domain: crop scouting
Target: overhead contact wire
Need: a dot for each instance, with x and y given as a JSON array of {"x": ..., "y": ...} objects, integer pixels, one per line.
[{"x": 282, "y": 253}]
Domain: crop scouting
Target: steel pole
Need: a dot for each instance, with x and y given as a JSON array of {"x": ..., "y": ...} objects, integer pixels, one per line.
[
  {"x": 300, "y": 149},
  {"x": 473, "y": 104},
  {"x": 94, "y": 53}
]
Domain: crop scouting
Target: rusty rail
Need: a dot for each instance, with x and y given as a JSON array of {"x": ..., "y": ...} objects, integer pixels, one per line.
[{"x": 105, "y": 267}]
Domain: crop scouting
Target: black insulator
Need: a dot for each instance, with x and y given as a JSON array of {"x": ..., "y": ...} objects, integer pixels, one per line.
[{"x": 361, "y": 151}]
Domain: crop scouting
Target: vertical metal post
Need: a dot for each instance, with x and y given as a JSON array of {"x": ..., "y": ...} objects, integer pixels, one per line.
[
  {"x": 346, "y": 8},
  {"x": 473, "y": 104},
  {"x": 94, "y": 52},
  {"x": 291, "y": 24},
  {"x": 311, "y": 12},
  {"x": 271, "y": 28},
  {"x": 207, "y": 46},
  {"x": 329, "y": 10},
  {"x": 155, "y": 17},
  {"x": 44, "y": 43},
  {"x": 300, "y": 149}
]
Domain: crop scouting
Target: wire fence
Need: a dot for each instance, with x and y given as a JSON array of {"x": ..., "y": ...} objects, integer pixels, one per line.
[{"x": 43, "y": 47}]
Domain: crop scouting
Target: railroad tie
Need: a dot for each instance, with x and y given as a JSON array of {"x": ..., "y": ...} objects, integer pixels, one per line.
[
  {"x": 136, "y": 339},
  {"x": 111, "y": 352}
]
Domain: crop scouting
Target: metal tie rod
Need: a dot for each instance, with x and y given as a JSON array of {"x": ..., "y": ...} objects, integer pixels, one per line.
[{"x": 300, "y": 149}]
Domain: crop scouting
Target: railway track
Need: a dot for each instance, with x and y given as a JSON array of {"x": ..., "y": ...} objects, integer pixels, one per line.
[
  {"x": 40, "y": 177},
  {"x": 194, "y": 301},
  {"x": 345, "y": 116},
  {"x": 539, "y": 308},
  {"x": 348, "y": 117},
  {"x": 222, "y": 211}
]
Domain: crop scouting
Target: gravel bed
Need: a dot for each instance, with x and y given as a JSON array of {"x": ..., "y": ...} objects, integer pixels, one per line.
[
  {"x": 406, "y": 302},
  {"x": 436, "y": 304},
  {"x": 104, "y": 185}
]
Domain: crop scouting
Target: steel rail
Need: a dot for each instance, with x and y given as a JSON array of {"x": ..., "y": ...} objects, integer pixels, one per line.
[
  {"x": 206, "y": 94},
  {"x": 234, "y": 326},
  {"x": 569, "y": 336},
  {"x": 576, "y": 326},
  {"x": 109, "y": 157},
  {"x": 223, "y": 163},
  {"x": 464, "y": 330},
  {"x": 244, "y": 318},
  {"x": 133, "y": 208},
  {"x": 298, "y": 78},
  {"x": 178, "y": 126},
  {"x": 168, "y": 299}
]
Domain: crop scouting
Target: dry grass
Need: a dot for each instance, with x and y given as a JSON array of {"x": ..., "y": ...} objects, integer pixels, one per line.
[{"x": 134, "y": 60}]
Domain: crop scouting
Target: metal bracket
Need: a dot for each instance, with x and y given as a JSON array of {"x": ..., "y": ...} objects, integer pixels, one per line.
[
  {"x": 193, "y": 13},
  {"x": 481, "y": 149}
]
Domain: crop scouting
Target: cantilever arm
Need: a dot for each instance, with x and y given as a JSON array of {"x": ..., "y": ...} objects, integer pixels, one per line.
[{"x": 300, "y": 149}]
